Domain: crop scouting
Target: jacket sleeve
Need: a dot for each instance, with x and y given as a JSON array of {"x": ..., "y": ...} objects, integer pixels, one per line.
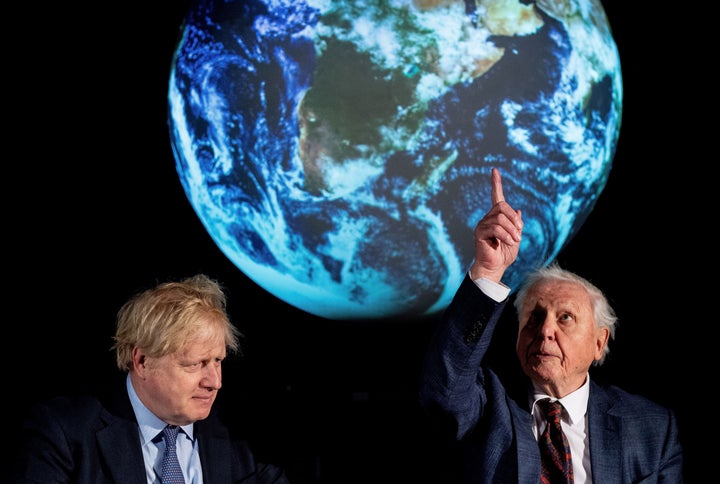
[{"x": 451, "y": 387}]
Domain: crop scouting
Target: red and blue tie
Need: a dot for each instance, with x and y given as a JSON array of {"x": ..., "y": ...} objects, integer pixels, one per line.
[{"x": 554, "y": 447}]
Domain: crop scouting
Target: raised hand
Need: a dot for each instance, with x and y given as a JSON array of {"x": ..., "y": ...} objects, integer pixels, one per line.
[{"x": 497, "y": 235}]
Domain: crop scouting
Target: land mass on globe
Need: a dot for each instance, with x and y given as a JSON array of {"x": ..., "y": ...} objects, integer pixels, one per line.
[{"x": 339, "y": 153}]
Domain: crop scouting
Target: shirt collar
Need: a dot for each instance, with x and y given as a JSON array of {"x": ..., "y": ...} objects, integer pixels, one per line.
[
  {"x": 575, "y": 403},
  {"x": 150, "y": 425}
]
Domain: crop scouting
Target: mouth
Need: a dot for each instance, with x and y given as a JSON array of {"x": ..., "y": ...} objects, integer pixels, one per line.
[{"x": 542, "y": 356}]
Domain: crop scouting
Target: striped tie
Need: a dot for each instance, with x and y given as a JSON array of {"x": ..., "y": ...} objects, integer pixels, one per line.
[
  {"x": 554, "y": 447},
  {"x": 171, "y": 471}
]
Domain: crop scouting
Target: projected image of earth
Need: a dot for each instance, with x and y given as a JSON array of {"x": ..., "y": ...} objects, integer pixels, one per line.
[{"x": 339, "y": 152}]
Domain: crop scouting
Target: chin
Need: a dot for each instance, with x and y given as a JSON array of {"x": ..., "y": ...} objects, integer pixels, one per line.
[
  {"x": 540, "y": 373},
  {"x": 200, "y": 416},
  {"x": 202, "y": 409}
]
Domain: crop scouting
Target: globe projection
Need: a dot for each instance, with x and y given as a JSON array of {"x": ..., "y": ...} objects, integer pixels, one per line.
[{"x": 339, "y": 152}]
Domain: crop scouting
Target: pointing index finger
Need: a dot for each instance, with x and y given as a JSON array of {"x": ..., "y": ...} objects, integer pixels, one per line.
[{"x": 496, "y": 193}]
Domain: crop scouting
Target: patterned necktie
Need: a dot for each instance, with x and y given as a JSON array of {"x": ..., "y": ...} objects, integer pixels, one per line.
[
  {"x": 554, "y": 447},
  {"x": 171, "y": 471}
]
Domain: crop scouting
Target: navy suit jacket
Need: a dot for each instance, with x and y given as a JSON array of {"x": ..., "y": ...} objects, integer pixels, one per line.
[
  {"x": 485, "y": 413},
  {"x": 96, "y": 440}
]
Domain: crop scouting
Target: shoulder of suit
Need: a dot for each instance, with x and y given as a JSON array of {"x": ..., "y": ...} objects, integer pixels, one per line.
[{"x": 628, "y": 403}]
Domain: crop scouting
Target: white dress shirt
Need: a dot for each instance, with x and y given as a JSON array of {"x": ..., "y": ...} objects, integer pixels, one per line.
[{"x": 573, "y": 421}]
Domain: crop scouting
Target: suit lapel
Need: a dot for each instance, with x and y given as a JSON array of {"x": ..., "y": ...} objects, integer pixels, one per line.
[
  {"x": 528, "y": 453},
  {"x": 118, "y": 443},
  {"x": 603, "y": 434},
  {"x": 118, "y": 439},
  {"x": 215, "y": 456}
]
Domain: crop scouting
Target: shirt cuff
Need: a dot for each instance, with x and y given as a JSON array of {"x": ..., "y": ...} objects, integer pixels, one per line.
[{"x": 495, "y": 290}]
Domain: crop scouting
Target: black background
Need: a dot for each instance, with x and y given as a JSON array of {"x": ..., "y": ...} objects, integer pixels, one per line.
[{"x": 95, "y": 212}]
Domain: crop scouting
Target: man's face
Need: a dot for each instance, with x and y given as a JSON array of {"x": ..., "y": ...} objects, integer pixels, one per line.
[
  {"x": 557, "y": 337},
  {"x": 181, "y": 387}
]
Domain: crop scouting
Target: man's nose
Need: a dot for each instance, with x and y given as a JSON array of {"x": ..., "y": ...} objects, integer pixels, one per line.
[
  {"x": 212, "y": 376},
  {"x": 546, "y": 330}
]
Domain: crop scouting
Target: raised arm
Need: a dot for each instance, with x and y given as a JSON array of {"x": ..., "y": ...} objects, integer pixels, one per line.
[{"x": 452, "y": 386}]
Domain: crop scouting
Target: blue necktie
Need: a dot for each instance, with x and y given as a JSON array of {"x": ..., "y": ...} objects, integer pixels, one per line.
[{"x": 171, "y": 471}]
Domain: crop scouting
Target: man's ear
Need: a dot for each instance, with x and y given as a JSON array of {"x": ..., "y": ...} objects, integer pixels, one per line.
[
  {"x": 139, "y": 360},
  {"x": 603, "y": 335}
]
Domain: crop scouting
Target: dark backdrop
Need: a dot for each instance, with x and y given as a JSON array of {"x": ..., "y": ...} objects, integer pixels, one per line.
[{"x": 95, "y": 211}]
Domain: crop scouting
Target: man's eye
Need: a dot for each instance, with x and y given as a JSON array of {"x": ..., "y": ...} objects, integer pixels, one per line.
[{"x": 536, "y": 318}]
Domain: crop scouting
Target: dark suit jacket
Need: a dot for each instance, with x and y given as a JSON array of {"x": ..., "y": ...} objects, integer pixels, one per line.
[
  {"x": 486, "y": 415},
  {"x": 95, "y": 440}
]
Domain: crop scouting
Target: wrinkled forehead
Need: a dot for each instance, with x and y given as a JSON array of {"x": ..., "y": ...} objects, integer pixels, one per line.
[{"x": 567, "y": 294}]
